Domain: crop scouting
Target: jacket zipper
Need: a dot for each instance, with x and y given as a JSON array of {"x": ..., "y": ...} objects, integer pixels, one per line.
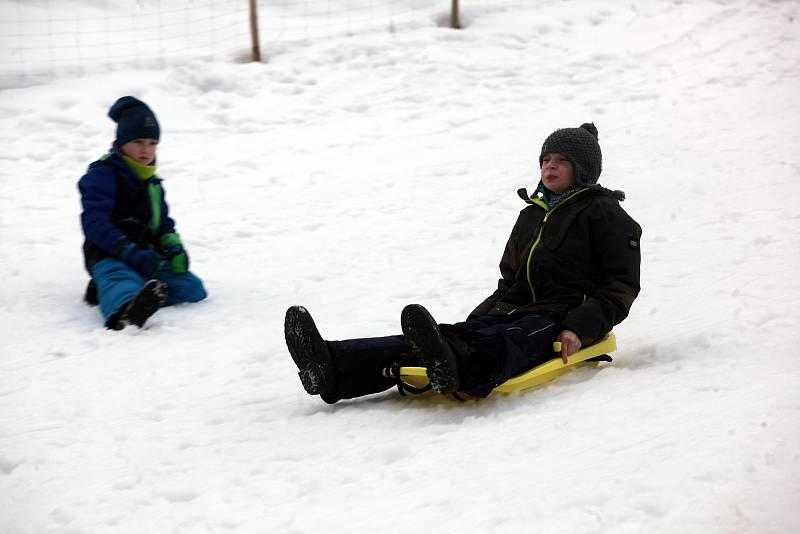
[{"x": 539, "y": 238}]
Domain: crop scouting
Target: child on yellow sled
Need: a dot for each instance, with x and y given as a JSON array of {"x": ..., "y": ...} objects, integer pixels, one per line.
[{"x": 569, "y": 272}]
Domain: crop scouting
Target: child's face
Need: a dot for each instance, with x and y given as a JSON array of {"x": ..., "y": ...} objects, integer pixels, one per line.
[
  {"x": 141, "y": 150},
  {"x": 558, "y": 174}
]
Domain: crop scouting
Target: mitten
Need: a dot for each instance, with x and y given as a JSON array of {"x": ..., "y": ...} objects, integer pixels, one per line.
[
  {"x": 142, "y": 260},
  {"x": 173, "y": 249}
]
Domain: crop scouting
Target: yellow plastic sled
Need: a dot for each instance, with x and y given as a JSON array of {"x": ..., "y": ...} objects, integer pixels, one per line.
[{"x": 417, "y": 377}]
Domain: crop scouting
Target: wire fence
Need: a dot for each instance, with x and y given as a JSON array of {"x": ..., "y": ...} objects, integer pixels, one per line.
[{"x": 43, "y": 39}]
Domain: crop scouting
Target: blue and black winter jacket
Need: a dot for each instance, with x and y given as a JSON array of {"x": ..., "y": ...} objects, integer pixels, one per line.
[{"x": 120, "y": 208}]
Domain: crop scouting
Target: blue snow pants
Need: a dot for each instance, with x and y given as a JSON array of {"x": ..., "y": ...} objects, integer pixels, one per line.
[
  {"x": 117, "y": 284},
  {"x": 490, "y": 350}
]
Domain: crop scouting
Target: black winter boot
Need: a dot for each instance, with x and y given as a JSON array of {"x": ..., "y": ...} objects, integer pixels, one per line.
[
  {"x": 309, "y": 352},
  {"x": 430, "y": 346},
  {"x": 146, "y": 302},
  {"x": 90, "y": 295},
  {"x": 480, "y": 358}
]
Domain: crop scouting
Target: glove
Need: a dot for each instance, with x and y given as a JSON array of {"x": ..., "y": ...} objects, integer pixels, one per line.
[
  {"x": 142, "y": 260},
  {"x": 178, "y": 259},
  {"x": 173, "y": 250}
]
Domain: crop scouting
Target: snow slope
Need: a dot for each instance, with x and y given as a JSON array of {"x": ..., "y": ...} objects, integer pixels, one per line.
[{"x": 359, "y": 173}]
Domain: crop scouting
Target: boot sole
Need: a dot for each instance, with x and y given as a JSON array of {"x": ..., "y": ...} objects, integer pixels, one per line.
[
  {"x": 422, "y": 333},
  {"x": 145, "y": 303},
  {"x": 308, "y": 350}
]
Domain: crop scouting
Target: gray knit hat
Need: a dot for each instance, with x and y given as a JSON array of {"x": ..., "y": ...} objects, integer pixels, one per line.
[{"x": 580, "y": 146}]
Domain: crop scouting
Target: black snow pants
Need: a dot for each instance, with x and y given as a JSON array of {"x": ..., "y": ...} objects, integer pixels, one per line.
[{"x": 489, "y": 350}]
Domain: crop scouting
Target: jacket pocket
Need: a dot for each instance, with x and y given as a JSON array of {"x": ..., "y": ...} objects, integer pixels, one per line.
[{"x": 558, "y": 226}]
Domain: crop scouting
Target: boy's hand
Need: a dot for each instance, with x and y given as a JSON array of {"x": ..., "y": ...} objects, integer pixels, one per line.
[
  {"x": 142, "y": 260},
  {"x": 172, "y": 247},
  {"x": 178, "y": 259},
  {"x": 570, "y": 344}
]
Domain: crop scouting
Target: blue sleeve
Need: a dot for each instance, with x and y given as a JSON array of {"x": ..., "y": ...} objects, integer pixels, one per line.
[
  {"x": 98, "y": 188},
  {"x": 167, "y": 224}
]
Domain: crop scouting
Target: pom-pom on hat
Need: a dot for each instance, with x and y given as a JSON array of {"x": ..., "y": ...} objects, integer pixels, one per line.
[
  {"x": 580, "y": 146},
  {"x": 135, "y": 120}
]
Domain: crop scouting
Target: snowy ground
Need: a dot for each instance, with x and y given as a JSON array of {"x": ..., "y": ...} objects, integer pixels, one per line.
[{"x": 360, "y": 173}]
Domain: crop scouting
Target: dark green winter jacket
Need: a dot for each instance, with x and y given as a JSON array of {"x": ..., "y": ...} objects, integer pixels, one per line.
[{"x": 578, "y": 262}]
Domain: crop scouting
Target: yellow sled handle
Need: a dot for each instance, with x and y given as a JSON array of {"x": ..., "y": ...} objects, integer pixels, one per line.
[{"x": 556, "y": 367}]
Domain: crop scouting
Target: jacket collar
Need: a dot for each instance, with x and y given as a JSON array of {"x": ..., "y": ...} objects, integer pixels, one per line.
[
  {"x": 115, "y": 159},
  {"x": 544, "y": 198}
]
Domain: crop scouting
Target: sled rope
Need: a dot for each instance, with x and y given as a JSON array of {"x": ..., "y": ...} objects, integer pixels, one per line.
[{"x": 404, "y": 388}]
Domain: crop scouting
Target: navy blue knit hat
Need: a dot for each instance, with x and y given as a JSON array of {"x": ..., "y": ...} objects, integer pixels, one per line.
[
  {"x": 135, "y": 120},
  {"x": 580, "y": 146}
]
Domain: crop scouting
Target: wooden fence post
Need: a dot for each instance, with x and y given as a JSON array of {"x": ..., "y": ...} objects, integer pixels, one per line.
[
  {"x": 254, "y": 30},
  {"x": 455, "y": 21}
]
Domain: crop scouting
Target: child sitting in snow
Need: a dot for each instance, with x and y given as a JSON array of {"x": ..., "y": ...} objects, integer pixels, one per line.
[
  {"x": 135, "y": 258},
  {"x": 570, "y": 272}
]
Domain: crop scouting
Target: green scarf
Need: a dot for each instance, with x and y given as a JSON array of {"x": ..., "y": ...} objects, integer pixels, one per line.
[{"x": 145, "y": 172}]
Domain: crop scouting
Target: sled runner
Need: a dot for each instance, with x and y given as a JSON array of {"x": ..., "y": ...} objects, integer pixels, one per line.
[{"x": 549, "y": 370}]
